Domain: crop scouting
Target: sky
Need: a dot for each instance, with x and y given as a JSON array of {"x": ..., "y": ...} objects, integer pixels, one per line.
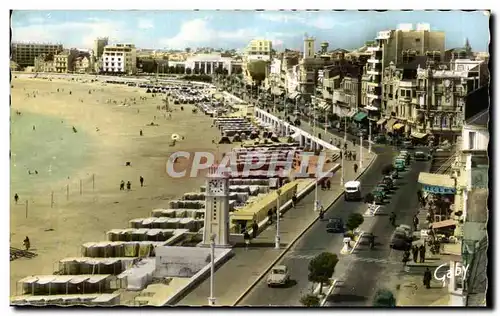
[{"x": 234, "y": 29}]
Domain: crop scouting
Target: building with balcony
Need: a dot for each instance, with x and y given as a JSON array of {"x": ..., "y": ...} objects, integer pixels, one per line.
[
  {"x": 397, "y": 46},
  {"x": 64, "y": 61},
  {"x": 119, "y": 59},
  {"x": 256, "y": 59},
  {"x": 24, "y": 54}
]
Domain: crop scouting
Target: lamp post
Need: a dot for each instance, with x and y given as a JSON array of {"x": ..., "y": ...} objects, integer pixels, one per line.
[
  {"x": 277, "y": 238},
  {"x": 369, "y": 136},
  {"x": 211, "y": 299},
  {"x": 343, "y": 154},
  {"x": 361, "y": 151}
]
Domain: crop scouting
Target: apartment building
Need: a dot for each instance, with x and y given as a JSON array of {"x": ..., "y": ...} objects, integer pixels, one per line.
[
  {"x": 99, "y": 44},
  {"x": 257, "y": 56},
  {"x": 64, "y": 61},
  {"x": 83, "y": 64},
  {"x": 397, "y": 46},
  {"x": 119, "y": 58},
  {"x": 24, "y": 54}
]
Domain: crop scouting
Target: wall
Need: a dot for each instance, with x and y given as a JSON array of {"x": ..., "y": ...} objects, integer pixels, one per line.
[{"x": 482, "y": 137}]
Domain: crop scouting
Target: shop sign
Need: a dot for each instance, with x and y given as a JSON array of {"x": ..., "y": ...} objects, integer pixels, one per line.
[{"x": 438, "y": 190}]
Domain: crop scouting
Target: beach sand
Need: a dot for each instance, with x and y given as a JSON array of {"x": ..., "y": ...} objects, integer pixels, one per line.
[{"x": 58, "y": 232}]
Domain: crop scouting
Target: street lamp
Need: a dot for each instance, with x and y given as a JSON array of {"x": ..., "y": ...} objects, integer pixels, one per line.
[
  {"x": 361, "y": 151},
  {"x": 369, "y": 136},
  {"x": 343, "y": 154},
  {"x": 211, "y": 299},
  {"x": 277, "y": 238}
]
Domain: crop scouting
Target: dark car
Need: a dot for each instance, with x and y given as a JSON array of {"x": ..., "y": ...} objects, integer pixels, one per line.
[
  {"x": 408, "y": 144},
  {"x": 400, "y": 241},
  {"x": 335, "y": 225}
]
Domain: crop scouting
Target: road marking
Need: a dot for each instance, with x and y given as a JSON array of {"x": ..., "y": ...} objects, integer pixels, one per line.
[{"x": 375, "y": 260}]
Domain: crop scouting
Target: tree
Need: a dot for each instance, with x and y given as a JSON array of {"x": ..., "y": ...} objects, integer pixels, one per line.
[
  {"x": 354, "y": 220},
  {"x": 310, "y": 300},
  {"x": 387, "y": 169},
  {"x": 321, "y": 268},
  {"x": 384, "y": 298}
]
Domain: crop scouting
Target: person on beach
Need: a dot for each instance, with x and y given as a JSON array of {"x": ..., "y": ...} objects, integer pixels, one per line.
[
  {"x": 26, "y": 243},
  {"x": 140, "y": 132},
  {"x": 16, "y": 198},
  {"x": 129, "y": 185},
  {"x": 141, "y": 180},
  {"x": 122, "y": 185},
  {"x": 34, "y": 127}
]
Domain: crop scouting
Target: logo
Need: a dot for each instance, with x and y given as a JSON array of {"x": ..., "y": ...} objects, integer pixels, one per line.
[
  {"x": 241, "y": 164},
  {"x": 441, "y": 274}
]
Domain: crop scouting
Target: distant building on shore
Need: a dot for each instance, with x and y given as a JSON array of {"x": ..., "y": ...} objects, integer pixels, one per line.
[
  {"x": 24, "y": 54},
  {"x": 119, "y": 59},
  {"x": 99, "y": 44}
]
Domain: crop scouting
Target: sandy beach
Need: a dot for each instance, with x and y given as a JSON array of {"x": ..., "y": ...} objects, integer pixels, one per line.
[{"x": 107, "y": 136}]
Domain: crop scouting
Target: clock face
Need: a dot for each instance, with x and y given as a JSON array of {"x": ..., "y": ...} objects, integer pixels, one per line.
[{"x": 216, "y": 186}]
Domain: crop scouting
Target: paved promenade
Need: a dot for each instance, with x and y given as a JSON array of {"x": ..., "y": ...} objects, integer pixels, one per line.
[{"x": 234, "y": 277}]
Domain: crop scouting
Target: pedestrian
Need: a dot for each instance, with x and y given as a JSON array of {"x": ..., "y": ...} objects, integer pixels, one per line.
[
  {"x": 34, "y": 127},
  {"x": 415, "y": 222},
  {"x": 354, "y": 156},
  {"x": 26, "y": 243},
  {"x": 328, "y": 184},
  {"x": 246, "y": 237},
  {"x": 255, "y": 229},
  {"x": 16, "y": 198},
  {"x": 422, "y": 253},
  {"x": 141, "y": 180},
  {"x": 392, "y": 219},
  {"x": 348, "y": 155},
  {"x": 427, "y": 278},
  {"x": 270, "y": 217},
  {"x": 406, "y": 257},
  {"x": 294, "y": 200},
  {"x": 345, "y": 146},
  {"x": 414, "y": 250},
  {"x": 340, "y": 152},
  {"x": 372, "y": 241},
  {"x": 129, "y": 185},
  {"x": 122, "y": 185},
  {"x": 355, "y": 168},
  {"x": 323, "y": 185},
  {"x": 140, "y": 132}
]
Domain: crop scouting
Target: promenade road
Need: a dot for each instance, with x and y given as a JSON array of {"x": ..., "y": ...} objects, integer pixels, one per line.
[{"x": 241, "y": 271}]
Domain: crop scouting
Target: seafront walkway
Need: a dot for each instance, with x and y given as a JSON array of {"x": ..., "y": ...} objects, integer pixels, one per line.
[{"x": 240, "y": 273}]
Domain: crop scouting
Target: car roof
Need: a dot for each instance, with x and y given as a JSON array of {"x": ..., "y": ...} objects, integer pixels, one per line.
[
  {"x": 280, "y": 267},
  {"x": 352, "y": 183}
]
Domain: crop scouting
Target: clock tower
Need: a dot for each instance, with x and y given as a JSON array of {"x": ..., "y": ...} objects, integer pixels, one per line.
[{"x": 216, "y": 208}]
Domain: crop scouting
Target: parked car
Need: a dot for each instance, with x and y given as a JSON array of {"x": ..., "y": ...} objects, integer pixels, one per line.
[
  {"x": 379, "y": 195},
  {"x": 400, "y": 241},
  {"x": 408, "y": 144},
  {"x": 335, "y": 225},
  {"x": 394, "y": 174},
  {"x": 383, "y": 186},
  {"x": 279, "y": 276},
  {"x": 389, "y": 182},
  {"x": 421, "y": 156}
]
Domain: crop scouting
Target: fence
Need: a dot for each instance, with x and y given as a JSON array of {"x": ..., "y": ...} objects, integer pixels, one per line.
[{"x": 84, "y": 188}]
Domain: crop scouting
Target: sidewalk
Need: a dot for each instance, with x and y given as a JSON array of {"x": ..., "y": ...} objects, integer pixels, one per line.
[{"x": 240, "y": 272}]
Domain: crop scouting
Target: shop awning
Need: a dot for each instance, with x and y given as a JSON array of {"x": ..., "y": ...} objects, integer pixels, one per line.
[
  {"x": 372, "y": 108},
  {"x": 444, "y": 224},
  {"x": 351, "y": 113},
  {"x": 437, "y": 183},
  {"x": 418, "y": 135},
  {"x": 390, "y": 124},
  {"x": 324, "y": 105},
  {"x": 294, "y": 95},
  {"x": 381, "y": 121},
  {"x": 398, "y": 126},
  {"x": 360, "y": 116},
  {"x": 243, "y": 217},
  {"x": 277, "y": 91}
]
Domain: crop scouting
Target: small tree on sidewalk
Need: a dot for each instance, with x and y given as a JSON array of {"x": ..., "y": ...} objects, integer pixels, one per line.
[
  {"x": 384, "y": 298},
  {"x": 354, "y": 221},
  {"x": 321, "y": 268},
  {"x": 310, "y": 300}
]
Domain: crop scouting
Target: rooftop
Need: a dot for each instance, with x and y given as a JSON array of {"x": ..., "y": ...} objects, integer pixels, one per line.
[{"x": 480, "y": 119}]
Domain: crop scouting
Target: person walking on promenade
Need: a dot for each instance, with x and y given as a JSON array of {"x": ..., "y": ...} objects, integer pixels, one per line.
[
  {"x": 414, "y": 251},
  {"x": 16, "y": 198},
  {"x": 270, "y": 217},
  {"x": 415, "y": 222},
  {"x": 422, "y": 253},
  {"x": 141, "y": 180},
  {"x": 427, "y": 278},
  {"x": 355, "y": 168},
  {"x": 354, "y": 156},
  {"x": 392, "y": 219},
  {"x": 122, "y": 185},
  {"x": 246, "y": 237},
  {"x": 255, "y": 229},
  {"x": 129, "y": 185},
  {"x": 140, "y": 132},
  {"x": 328, "y": 184},
  {"x": 406, "y": 257},
  {"x": 294, "y": 200},
  {"x": 26, "y": 243}
]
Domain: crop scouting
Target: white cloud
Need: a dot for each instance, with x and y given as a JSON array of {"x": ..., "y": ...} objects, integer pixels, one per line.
[
  {"x": 314, "y": 19},
  {"x": 71, "y": 34},
  {"x": 145, "y": 24},
  {"x": 198, "y": 32}
]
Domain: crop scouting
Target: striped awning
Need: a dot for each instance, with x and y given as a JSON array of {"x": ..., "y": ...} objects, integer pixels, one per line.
[
  {"x": 351, "y": 113},
  {"x": 390, "y": 124},
  {"x": 398, "y": 126},
  {"x": 294, "y": 95},
  {"x": 418, "y": 135},
  {"x": 324, "y": 105},
  {"x": 443, "y": 224}
]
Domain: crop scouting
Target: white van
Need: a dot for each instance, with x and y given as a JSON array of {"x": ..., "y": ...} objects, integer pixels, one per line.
[{"x": 352, "y": 191}]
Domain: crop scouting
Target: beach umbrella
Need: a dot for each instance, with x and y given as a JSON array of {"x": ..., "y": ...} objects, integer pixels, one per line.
[{"x": 175, "y": 137}]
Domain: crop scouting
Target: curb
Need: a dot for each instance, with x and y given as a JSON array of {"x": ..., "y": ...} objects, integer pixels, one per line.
[
  {"x": 290, "y": 245},
  {"x": 328, "y": 293},
  {"x": 357, "y": 242}
]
